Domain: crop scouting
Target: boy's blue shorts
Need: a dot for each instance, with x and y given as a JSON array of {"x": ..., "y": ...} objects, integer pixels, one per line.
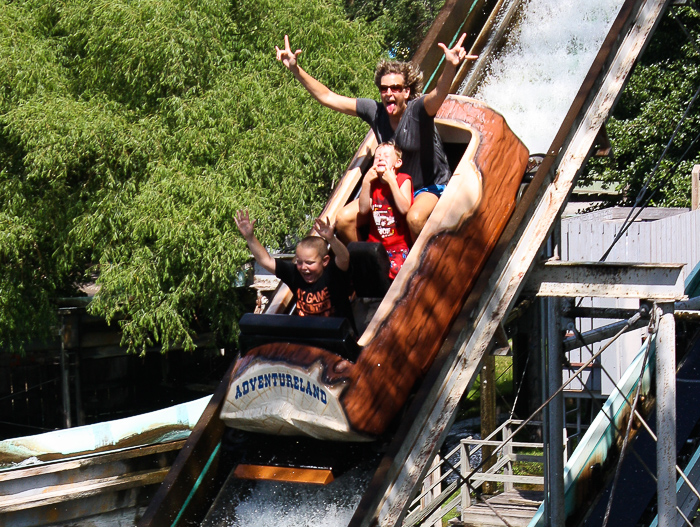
[{"x": 433, "y": 189}]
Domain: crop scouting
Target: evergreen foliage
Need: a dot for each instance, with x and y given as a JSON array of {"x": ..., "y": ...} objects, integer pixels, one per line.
[
  {"x": 652, "y": 104},
  {"x": 130, "y": 132},
  {"x": 403, "y": 23}
]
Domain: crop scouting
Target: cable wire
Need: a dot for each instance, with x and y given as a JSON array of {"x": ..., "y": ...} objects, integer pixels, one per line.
[{"x": 647, "y": 182}]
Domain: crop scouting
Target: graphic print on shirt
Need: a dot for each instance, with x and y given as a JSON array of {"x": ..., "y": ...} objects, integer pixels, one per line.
[
  {"x": 383, "y": 217},
  {"x": 316, "y": 303}
]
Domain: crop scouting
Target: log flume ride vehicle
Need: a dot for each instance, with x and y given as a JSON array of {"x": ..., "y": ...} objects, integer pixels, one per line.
[
  {"x": 293, "y": 388},
  {"x": 303, "y": 376}
]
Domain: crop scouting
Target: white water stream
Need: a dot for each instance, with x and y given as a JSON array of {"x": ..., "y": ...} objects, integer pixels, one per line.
[
  {"x": 534, "y": 78},
  {"x": 292, "y": 504}
]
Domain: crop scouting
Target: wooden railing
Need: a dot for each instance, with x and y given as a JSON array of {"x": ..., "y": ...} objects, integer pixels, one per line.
[{"x": 436, "y": 500}]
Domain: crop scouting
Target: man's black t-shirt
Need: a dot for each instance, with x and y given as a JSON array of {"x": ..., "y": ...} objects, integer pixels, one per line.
[
  {"x": 326, "y": 297},
  {"x": 424, "y": 156}
]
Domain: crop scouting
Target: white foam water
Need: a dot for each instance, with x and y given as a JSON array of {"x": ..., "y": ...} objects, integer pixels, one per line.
[
  {"x": 296, "y": 505},
  {"x": 534, "y": 78}
]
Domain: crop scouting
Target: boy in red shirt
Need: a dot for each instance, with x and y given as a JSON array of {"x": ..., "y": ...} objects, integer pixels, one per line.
[{"x": 388, "y": 194}]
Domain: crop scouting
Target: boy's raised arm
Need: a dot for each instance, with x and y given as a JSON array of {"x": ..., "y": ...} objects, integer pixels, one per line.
[
  {"x": 402, "y": 195},
  {"x": 246, "y": 225},
  {"x": 327, "y": 232},
  {"x": 317, "y": 89}
]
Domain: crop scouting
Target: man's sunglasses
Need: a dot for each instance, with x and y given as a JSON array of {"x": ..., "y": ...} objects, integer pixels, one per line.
[{"x": 394, "y": 88}]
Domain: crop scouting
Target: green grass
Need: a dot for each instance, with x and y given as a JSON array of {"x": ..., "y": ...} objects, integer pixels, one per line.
[
  {"x": 470, "y": 405},
  {"x": 453, "y": 513},
  {"x": 529, "y": 468}
]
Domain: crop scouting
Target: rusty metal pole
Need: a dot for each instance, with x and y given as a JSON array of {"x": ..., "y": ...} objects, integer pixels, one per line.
[
  {"x": 556, "y": 415},
  {"x": 555, "y": 409},
  {"x": 544, "y": 378},
  {"x": 666, "y": 415}
]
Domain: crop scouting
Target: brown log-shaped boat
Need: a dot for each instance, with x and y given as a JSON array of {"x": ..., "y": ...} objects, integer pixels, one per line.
[{"x": 296, "y": 389}]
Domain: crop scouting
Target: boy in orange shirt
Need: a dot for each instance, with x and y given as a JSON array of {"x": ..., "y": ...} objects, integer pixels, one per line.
[{"x": 320, "y": 284}]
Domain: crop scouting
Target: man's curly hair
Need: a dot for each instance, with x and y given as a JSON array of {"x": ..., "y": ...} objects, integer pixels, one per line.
[{"x": 412, "y": 75}]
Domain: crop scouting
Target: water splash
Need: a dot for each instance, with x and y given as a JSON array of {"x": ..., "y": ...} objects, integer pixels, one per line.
[
  {"x": 534, "y": 78},
  {"x": 295, "y": 505}
]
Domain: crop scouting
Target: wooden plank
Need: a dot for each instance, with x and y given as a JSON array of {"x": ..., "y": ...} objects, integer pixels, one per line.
[
  {"x": 84, "y": 462},
  {"x": 514, "y": 444},
  {"x": 503, "y": 478},
  {"x": 527, "y": 458},
  {"x": 486, "y": 518},
  {"x": 62, "y": 493},
  {"x": 608, "y": 279},
  {"x": 115, "y": 509},
  {"x": 315, "y": 476},
  {"x": 517, "y": 507}
]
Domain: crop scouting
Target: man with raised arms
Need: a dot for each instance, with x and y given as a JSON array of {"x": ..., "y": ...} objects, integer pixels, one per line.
[{"x": 402, "y": 115}]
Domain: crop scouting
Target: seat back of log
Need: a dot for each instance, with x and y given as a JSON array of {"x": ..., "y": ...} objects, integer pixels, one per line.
[
  {"x": 331, "y": 333},
  {"x": 369, "y": 264}
]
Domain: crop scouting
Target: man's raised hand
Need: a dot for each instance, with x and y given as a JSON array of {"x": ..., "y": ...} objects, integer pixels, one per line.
[
  {"x": 285, "y": 56},
  {"x": 456, "y": 54}
]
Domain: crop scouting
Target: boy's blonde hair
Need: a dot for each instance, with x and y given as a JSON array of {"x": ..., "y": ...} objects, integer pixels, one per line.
[
  {"x": 392, "y": 144},
  {"x": 315, "y": 242}
]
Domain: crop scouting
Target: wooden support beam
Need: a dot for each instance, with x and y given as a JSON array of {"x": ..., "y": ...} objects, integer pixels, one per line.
[
  {"x": 488, "y": 414},
  {"x": 662, "y": 282},
  {"x": 666, "y": 416}
]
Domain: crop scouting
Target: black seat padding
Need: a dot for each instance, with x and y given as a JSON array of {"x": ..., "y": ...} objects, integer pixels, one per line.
[
  {"x": 370, "y": 269},
  {"x": 330, "y": 333}
]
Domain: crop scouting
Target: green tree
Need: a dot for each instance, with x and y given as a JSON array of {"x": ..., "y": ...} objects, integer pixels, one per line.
[
  {"x": 652, "y": 104},
  {"x": 403, "y": 23},
  {"x": 130, "y": 132}
]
